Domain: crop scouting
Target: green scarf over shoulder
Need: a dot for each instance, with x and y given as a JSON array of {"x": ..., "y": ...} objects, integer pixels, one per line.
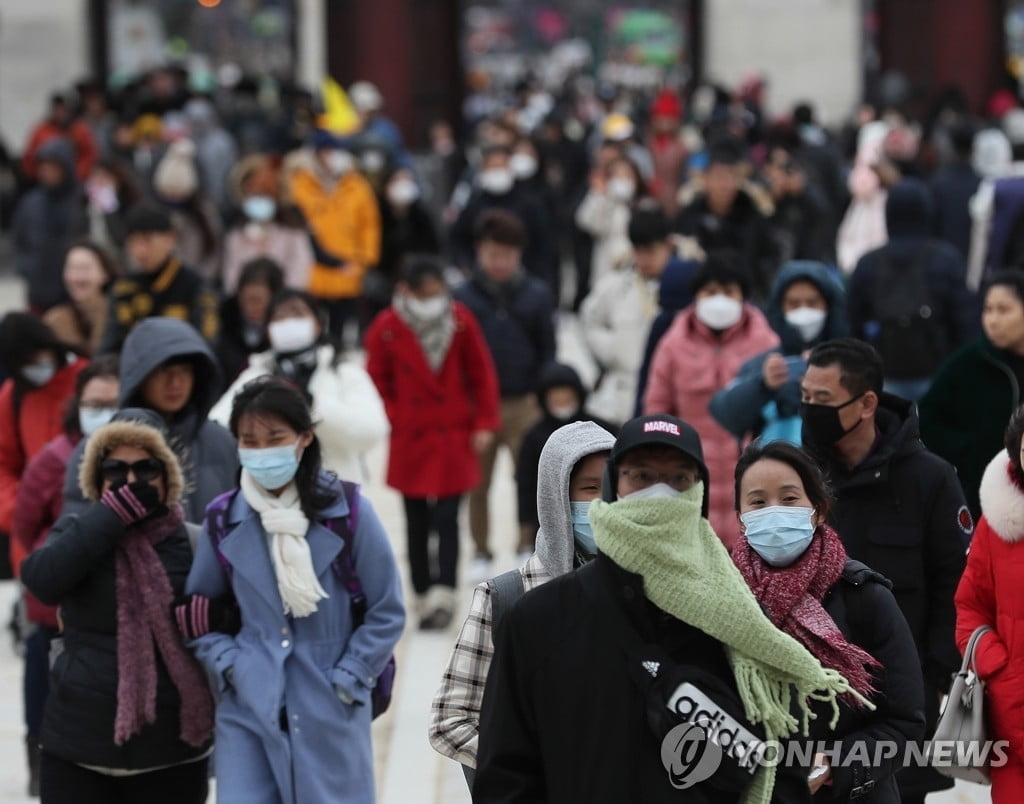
[{"x": 688, "y": 573}]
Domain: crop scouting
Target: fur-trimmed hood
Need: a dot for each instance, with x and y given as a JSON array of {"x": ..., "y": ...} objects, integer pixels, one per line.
[
  {"x": 1002, "y": 502},
  {"x": 134, "y": 434}
]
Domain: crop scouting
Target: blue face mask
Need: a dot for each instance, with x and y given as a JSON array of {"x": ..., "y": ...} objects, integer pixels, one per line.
[
  {"x": 780, "y": 533},
  {"x": 581, "y": 529},
  {"x": 273, "y": 467},
  {"x": 92, "y": 419}
]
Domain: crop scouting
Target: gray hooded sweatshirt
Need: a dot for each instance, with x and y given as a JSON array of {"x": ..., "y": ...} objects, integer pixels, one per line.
[{"x": 210, "y": 460}]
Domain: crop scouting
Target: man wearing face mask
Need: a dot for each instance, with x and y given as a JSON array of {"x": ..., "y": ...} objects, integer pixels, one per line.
[
  {"x": 806, "y": 307},
  {"x": 562, "y": 399},
  {"x": 496, "y": 188},
  {"x": 699, "y": 355},
  {"x": 344, "y": 219},
  {"x": 899, "y": 509},
  {"x": 588, "y": 664},
  {"x": 42, "y": 371}
]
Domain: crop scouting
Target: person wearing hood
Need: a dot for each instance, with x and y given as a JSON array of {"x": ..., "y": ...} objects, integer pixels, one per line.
[
  {"x": 900, "y": 509},
  {"x": 596, "y": 674},
  {"x": 42, "y": 371},
  {"x": 431, "y": 366},
  {"x": 160, "y": 285},
  {"x": 130, "y": 715},
  {"x": 45, "y": 222},
  {"x": 807, "y": 306},
  {"x": 496, "y": 188},
  {"x": 349, "y": 414},
  {"x": 344, "y": 219},
  {"x": 698, "y": 356},
  {"x": 571, "y": 465},
  {"x": 909, "y": 298},
  {"x": 562, "y": 399},
  {"x": 515, "y": 312},
  {"x": 166, "y": 367}
]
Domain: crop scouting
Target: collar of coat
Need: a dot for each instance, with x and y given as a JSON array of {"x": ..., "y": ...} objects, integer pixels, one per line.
[{"x": 1002, "y": 502}]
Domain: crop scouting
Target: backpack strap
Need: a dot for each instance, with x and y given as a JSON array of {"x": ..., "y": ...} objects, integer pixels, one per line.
[
  {"x": 505, "y": 590},
  {"x": 216, "y": 525},
  {"x": 344, "y": 565}
]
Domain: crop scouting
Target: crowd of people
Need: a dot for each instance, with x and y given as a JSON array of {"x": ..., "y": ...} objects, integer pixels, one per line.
[{"x": 808, "y": 342}]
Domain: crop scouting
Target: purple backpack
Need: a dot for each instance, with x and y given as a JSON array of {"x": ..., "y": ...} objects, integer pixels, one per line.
[{"x": 344, "y": 568}]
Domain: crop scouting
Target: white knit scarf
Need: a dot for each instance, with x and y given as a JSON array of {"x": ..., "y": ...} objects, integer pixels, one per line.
[{"x": 286, "y": 526}]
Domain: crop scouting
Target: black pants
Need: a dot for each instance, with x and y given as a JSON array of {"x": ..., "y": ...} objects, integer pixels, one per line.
[
  {"x": 63, "y": 782},
  {"x": 421, "y": 517}
]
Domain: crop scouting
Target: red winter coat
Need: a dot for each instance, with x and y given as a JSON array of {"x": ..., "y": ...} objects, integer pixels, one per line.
[
  {"x": 40, "y": 419},
  {"x": 37, "y": 507},
  {"x": 690, "y": 365},
  {"x": 991, "y": 592},
  {"x": 433, "y": 415}
]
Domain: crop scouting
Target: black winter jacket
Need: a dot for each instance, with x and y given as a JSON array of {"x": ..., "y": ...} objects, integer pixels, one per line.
[
  {"x": 902, "y": 512},
  {"x": 563, "y": 721},
  {"x": 75, "y": 569}
]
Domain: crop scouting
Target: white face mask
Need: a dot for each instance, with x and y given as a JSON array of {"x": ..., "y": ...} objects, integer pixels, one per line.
[
  {"x": 291, "y": 334},
  {"x": 38, "y": 374},
  {"x": 374, "y": 161},
  {"x": 719, "y": 312},
  {"x": 523, "y": 165},
  {"x": 259, "y": 208},
  {"x": 403, "y": 192},
  {"x": 621, "y": 189},
  {"x": 428, "y": 309},
  {"x": 808, "y": 321},
  {"x": 659, "y": 491},
  {"x": 92, "y": 419},
  {"x": 497, "y": 181},
  {"x": 339, "y": 162},
  {"x": 563, "y": 414}
]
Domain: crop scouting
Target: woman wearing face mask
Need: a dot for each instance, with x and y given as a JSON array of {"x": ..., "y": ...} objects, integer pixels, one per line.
[
  {"x": 700, "y": 355},
  {"x": 42, "y": 371},
  {"x": 131, "y": 716},
  {"x": 243, "y": 316},
  {"x": 111, "y": 190},
  {"x": 806, "y": 307},
  {"x": 838, "y": 609},
  {"x": 37, "y": 506},
  {"x": 605, "y": 211},
  {"x": 295, "y": 684},
  {"x": 349, "y": 415},
  {"x": 81, "y": 321},
  {"x": 265, "y": 228},
  {"x": 434, "y": 371}
]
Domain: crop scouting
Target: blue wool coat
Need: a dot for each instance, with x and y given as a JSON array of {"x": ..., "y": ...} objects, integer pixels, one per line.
[{"x": 278, "y": 661}]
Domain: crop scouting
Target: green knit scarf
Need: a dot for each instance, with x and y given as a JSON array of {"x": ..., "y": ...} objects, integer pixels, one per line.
[{"x": 688, "y": 573}]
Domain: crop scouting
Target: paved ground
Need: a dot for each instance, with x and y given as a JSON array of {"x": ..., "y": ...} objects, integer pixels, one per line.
[{"x": 408, "y": 771}]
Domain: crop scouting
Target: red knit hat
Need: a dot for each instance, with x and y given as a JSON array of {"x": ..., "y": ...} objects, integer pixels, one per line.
[{"x": 666, "y": 104}]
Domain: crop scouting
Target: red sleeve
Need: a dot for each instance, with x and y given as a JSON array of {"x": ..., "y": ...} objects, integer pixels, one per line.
[
  {"x": 86, "y": 151},
  {"x": 378, "y": 362},
  {"x": 38, "y": 500},
  {"x": 976, "y": 604},
  {"x": 12, "y": 459},
  {"x": 481, "y": 376}
]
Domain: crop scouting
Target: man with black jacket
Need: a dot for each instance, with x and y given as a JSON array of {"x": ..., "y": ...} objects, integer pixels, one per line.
[
  {"x": 899, "y": 509},
  {"x": 516, "y": 314}
]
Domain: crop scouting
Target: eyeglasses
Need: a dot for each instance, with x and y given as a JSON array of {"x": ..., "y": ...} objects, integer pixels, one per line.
[
  {"x": 641, "y": 478},
  {"x": 116, "y": 472}
]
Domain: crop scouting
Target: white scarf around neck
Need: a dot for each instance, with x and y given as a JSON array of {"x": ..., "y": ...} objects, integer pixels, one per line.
[{"x": 286, "y": 526}]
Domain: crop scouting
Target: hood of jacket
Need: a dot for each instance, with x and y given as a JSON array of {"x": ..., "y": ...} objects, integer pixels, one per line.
[
  {"x": 555, "y": 375},
  {"x": 674, "y": 289},
  {"x": 563, "y": 450},
  {"x": 819, "y": 275},
  {"x": 1002, "y": 502},
  {"x": 908, "y": 209},
  {"x": 152, "y": 343},
  {"x": 59, "y": 151}
]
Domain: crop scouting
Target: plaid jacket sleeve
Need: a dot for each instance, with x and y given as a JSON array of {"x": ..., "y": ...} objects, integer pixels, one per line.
[{"x": 455, "y": 711}]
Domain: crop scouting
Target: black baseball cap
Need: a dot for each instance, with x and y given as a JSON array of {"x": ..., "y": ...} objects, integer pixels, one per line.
[{"x": 655, "y": 429}]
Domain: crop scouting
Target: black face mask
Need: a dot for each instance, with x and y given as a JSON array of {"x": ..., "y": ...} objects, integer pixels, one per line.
[{"x": 822, "y": 425}]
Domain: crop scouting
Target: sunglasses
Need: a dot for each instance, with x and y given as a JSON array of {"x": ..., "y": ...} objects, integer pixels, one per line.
[{"x": 116, "y": 472}]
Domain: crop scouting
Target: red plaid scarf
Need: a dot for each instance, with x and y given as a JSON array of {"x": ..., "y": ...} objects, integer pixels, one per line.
[{"x": 792, "y": 599}]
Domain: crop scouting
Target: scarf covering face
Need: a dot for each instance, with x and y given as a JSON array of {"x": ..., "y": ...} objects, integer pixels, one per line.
[
  {"x": 286, "y": 527},
  {"x": 688, "y": 573},
  {"x": 792, "y": 598},
  {"x": 144, "y": 626},
  {"x": 434, "y": 334}
]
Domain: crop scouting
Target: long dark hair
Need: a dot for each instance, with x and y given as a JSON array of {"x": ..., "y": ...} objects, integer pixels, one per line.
[
  {"x": 798, "y": 460},
  {"x": 274, "y": 396},
  {"x": 1011, "y": 440}
]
